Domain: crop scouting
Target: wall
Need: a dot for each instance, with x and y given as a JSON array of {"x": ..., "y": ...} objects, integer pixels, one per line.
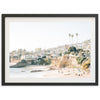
[{"x": 49, "y": 92}]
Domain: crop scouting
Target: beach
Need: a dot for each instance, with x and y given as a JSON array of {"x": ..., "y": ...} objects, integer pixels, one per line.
[{"x": 40, "y": 71}]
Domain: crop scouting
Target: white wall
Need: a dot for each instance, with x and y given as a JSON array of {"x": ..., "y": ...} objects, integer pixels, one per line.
[{"x": 51, "y": 92}]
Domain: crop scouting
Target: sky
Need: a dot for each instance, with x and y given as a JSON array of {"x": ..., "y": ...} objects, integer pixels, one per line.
[{"x": 31, "y": 35}]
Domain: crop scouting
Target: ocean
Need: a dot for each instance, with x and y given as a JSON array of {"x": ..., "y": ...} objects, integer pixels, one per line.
[{"x": 26, "y": 72}]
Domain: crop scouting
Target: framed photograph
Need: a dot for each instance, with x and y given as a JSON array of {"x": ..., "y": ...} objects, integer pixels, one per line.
[{"x": 49, "y": 49}]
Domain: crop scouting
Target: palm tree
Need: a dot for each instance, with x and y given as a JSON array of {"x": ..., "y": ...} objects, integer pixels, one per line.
[
  {"x": 69, "y": 36},
  {"x": 72, "y": 37},
  {"x": 77, "y": 37}
]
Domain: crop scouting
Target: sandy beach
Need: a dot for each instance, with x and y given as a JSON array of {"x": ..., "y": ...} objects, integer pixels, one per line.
[
  {"x": 67, "y": 73},
  {"x": 47, "y": 72}
]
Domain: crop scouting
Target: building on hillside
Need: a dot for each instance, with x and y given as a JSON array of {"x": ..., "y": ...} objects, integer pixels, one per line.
[
  {"x": 38, "y": 50},
  {"x": 14, "y": 59}
]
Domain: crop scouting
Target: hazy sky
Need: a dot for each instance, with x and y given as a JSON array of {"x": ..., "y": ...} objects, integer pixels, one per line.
[{"x": 31, "y": 35}]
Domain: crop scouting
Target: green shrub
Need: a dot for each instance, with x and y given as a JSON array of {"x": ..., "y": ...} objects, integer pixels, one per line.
[
  {"x": 43, "y": 61},
  {"x": 72, "y": 49},
  {"x": 23, "y": 61},
  {"x": 81, "y": 54},
  {"x": 80, "y": 59},
  {"x": 79, "y": 50},
  {"x": 33, "y": 62},
  {"x": 60, "y": 54},
  {"x": 47, "y": 61},
  {"x": 66, "y": 52},
  {"x": 40, "y": 61}
]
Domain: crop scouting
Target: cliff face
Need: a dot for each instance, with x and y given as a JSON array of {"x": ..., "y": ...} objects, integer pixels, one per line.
[{"x": 65, "y": 61}]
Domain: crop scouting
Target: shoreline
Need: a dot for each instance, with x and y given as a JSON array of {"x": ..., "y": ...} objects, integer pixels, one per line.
[{"x": 56, "y": 73}]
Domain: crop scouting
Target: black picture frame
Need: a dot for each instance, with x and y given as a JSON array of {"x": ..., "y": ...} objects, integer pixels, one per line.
[{"x": 4, "y": 16}]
